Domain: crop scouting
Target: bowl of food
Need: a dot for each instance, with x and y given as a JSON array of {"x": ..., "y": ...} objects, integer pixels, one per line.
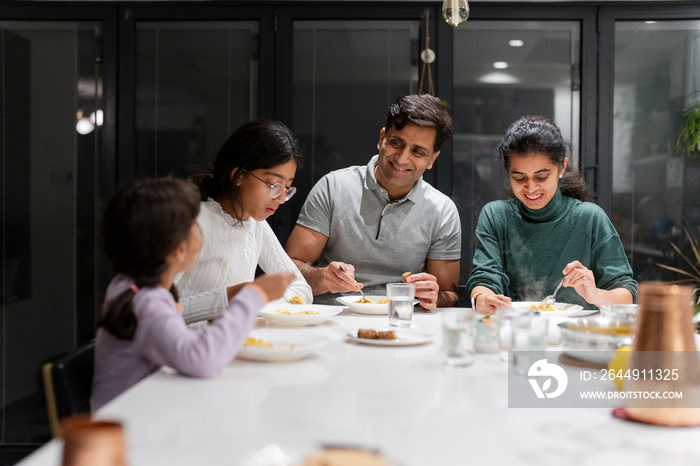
[
  {"x": 369, "y": 304},
  {"x": 595, "y": 339}
]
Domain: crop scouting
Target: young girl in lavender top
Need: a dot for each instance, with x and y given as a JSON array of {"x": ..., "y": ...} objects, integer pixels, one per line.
[{"x": 151, "y": 235}]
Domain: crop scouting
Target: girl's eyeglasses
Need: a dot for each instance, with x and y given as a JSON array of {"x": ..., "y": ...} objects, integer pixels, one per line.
[{"x": 277, "y": 189}]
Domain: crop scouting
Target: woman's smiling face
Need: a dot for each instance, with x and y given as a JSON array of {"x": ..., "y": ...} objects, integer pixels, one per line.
[{"x": 534, "y": 178}]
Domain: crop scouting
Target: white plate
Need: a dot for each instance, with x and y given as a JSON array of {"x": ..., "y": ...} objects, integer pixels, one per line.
[
  {"x": 366, "y": 308},
  {"x": 285, "y": 346},
  {"x": 298, "y": 320},
  {"x": 563, "y": 309},
  {"x": 406, "y": 338}
]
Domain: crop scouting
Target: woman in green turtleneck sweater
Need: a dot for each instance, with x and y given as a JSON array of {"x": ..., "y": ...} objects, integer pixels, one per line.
[{"x": 526, "y": 245}]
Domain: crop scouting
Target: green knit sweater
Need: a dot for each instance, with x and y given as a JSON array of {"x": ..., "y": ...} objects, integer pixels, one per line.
[{"x": 521, "y": 252}]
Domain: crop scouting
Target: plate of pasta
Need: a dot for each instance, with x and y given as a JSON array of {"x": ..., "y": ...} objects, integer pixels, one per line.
[
  {"x": 278, "y": 347},
  {"x": 284, "y": 314},
  {"x": 554, "y": 310},
  {"x": 374, "y": 305}
]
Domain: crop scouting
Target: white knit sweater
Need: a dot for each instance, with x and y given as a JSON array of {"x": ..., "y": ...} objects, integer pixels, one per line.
[{"x": 230, "y": 254}]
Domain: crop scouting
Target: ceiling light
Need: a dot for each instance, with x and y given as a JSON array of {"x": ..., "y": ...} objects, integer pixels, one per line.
[
  {"x": 500, "y": 65},
  {"x": 455, "y": 12},
  {"x": 516, "y": 43},
  {"x": 498, "y": 78}
]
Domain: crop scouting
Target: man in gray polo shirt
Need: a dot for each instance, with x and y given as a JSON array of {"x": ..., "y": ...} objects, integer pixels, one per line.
[{"x": 364, "y": 226}]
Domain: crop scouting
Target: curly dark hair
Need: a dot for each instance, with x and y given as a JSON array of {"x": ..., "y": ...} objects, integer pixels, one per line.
[
  {"x": 422, "y": 110},
  {"x": 536, "y": 134}
]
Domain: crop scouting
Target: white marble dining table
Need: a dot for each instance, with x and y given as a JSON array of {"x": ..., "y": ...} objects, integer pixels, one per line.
[{"x": 400, "y": 401}]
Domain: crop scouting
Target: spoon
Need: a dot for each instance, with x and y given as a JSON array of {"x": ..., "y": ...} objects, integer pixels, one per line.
[{"x": 550, "y": 299}]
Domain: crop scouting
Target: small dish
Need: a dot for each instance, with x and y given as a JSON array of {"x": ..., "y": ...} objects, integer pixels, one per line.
[
  {"x": 405, "y": 338},
  {"x": 299, "y": 453}
]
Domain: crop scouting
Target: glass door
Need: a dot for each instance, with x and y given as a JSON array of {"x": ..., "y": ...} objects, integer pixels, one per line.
[
  {"x": 655, "y": 178},
  {"x": 196, "y": 82},
  {"x": 52, "y": 104},
  {"x": 345, "y": 74},
  {"x": 502, "y": 71}
]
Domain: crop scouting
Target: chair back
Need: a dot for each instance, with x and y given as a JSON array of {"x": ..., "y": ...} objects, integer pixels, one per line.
[{"x": 68, "y": 385}]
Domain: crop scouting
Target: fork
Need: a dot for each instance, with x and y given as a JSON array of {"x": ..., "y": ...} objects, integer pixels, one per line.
[
  {"x": 363, "y": 299},
  {"x": 551, "y": 298}
]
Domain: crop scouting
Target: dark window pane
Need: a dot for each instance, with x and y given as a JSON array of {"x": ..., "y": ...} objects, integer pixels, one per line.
[
  {"x": 196, "y": 83},
  {"x": 656, "y": 185},
  {"x": 346, "y": 74},
  {"x": 496, "y": 81}
]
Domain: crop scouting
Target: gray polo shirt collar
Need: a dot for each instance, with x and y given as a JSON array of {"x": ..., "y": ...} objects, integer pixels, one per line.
[{"x": 371, "y": 183}]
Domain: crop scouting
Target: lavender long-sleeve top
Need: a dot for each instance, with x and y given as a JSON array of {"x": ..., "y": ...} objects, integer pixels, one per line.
[{"x": 163, "y": 339}]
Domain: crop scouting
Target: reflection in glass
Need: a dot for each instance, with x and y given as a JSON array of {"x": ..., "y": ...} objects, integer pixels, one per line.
[
  {"x": 196, "y": 83},
  {"x": 541, "y": 77},
  {"x": 349, "y": 72},
  {"x": 656, "y": 186},
  {"x": 49, "y": 78}
]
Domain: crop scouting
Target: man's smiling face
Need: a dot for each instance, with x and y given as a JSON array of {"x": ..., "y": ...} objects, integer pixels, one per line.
[{"x": 403, "y": 157}]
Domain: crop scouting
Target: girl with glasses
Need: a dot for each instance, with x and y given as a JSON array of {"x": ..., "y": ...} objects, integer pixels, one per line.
[{"x": 251, "y": 177}]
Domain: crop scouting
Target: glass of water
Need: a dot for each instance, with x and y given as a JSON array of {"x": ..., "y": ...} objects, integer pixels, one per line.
[
  {"x": 506, "y": 336},
  {"x": 400, "y": 297},
  {"x": 458, "y": 336}
]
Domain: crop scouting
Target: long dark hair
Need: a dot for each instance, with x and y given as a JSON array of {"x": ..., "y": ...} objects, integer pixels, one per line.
[
  {"x": 258, "y": 144},
  {"x": 422, "y": 110},
  {"x": 143, "y": 223},
  {"x": 536, "y": 134}
]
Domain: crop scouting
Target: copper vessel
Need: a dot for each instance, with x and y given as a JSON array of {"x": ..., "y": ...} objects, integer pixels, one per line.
[
  {"x": 92, "y": 443},
  {"x": 664, "y": 345}
]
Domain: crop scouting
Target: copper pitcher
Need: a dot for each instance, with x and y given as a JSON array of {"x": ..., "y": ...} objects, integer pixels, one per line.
[
  {"x": 92, "y": 443},
  {"x": 664, "y": 358}
]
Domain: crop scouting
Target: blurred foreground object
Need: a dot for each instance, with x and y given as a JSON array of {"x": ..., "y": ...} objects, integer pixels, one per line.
[
  {"x": 88, "y": 443},
  {"x": 664, "y": 345}
]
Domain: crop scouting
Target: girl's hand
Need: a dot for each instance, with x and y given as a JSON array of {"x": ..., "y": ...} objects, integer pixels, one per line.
[
  {"x": 581, "y": 279},
  {"x": 275, "y": 285}
]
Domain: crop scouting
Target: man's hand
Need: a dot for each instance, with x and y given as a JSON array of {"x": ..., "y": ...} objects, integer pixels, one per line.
[
  {"x": 427, "y": 289},
  {"x": 340, "y": 277}
]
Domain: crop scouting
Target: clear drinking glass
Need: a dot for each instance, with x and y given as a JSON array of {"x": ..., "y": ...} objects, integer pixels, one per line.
[
  {"x": 400, "y": 297},
  {"x": 620, "y": 313},
  {"x": 458, "y": 336},
  {"x": 505, "y": 316}
]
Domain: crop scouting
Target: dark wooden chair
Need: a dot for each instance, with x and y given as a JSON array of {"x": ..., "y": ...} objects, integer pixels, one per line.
[{"x": 68, "y": 385}]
